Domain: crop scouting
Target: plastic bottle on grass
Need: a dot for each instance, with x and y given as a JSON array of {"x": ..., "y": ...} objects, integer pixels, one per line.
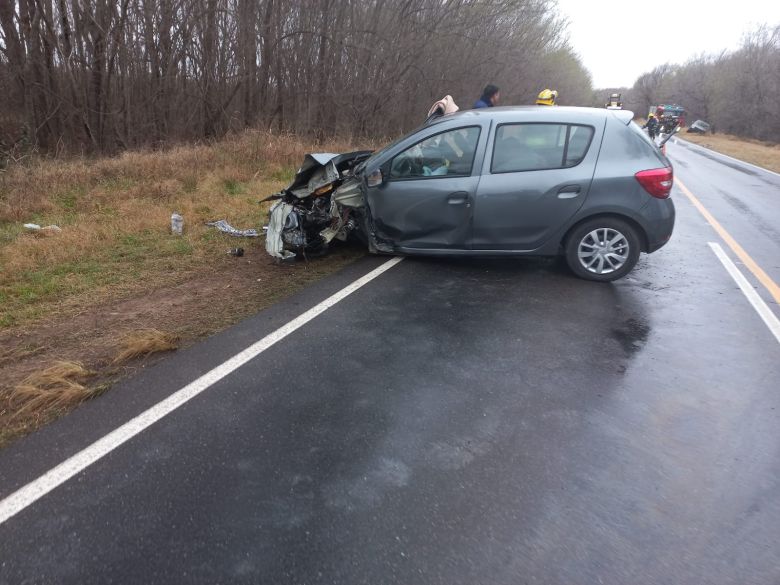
[{"x": 177, "y": 224}]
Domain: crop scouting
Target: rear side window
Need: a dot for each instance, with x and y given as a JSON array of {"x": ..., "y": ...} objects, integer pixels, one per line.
[
  {"x": 650, "y": 147},
  {"x": 634, "y": 127},
  {"x": 448, "y": 154},
  {"x": 534, "y": 147}
]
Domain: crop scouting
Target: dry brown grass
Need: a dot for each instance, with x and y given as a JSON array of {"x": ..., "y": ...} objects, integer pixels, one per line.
[
  {"x": 58, "y": 386},
  {"x": 151, "y": 175},
  {"x": 115, "y": 218},
  {"x": 144, "y": 342},
  {"x": 763, "y": 154}
]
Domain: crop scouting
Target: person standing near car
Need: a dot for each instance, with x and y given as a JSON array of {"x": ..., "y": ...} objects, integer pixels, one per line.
[
  {"x": 490, "y": 97},
  {"x": 652, "y": 127}
]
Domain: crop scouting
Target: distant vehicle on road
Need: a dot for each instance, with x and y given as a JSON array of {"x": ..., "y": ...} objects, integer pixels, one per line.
[
  {"x": 582, "y": 182},
  {"x": 669, "y": 116},
  {"x": 615, "y": 102}
]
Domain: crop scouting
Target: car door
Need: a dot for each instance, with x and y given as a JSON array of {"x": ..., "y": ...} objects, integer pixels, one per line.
[
  {"x": 535, "y": 177},
  {"x": 426, "y": 196}
]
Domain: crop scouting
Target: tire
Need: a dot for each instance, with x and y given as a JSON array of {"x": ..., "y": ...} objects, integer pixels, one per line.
[{"x": 602, "y": 249}]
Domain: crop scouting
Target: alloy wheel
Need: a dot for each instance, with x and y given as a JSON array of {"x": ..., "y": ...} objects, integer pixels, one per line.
[{"x": 603, "y": 250}]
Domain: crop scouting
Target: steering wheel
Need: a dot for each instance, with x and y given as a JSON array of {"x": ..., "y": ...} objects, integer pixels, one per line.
[{"x": 403, "y": 168}]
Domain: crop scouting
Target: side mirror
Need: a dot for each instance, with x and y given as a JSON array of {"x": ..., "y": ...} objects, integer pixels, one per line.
[{"x": 375, "y": 178}]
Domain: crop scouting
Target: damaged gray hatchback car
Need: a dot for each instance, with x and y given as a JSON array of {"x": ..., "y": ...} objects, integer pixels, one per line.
[{"x": 582, "y": 182}]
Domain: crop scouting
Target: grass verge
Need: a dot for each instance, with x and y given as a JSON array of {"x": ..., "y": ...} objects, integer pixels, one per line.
[
  {"x": 114, "y": 288},
  {"x": 763, "y": 154}
]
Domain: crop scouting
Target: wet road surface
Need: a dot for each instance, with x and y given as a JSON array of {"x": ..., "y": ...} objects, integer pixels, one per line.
[{"x": 470, "y": 421}]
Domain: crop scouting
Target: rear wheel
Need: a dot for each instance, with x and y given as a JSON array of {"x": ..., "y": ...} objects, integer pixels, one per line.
[{"x": 602, "y": 249}]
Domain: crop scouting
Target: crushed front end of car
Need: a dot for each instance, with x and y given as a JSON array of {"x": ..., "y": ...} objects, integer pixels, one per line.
[{"x": 306, "y": 216}]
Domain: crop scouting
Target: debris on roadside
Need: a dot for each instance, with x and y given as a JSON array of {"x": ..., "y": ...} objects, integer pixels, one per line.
[
  {"x": 223, "y": 226},
  {"x": 48, "y": 230},
  {"x": 177, "y": 223},
  {"x": 236, "y": 252}
]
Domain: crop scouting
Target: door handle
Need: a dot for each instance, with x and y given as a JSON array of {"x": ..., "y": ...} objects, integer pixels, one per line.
[
  {"x": 458, "y": 198},
  {"x": 568, "y": 192}
]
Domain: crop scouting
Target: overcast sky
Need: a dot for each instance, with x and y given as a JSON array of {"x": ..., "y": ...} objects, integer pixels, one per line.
[{"x": 617, "y": 41}]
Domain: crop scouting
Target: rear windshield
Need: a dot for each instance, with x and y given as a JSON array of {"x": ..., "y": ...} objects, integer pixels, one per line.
[{"x": 637, "y": 131}]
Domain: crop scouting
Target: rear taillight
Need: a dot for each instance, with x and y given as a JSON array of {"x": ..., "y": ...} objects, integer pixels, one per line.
[{"x": 657, "y": 182}]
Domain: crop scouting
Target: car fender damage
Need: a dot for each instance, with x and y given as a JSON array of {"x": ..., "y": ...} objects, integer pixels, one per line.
[{"x": 324, "y": 202}]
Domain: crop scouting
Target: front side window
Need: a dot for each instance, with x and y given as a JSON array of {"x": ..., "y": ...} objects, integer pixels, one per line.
[
  {"x": 534, "y": 147},
  {"x": 447, "y": 154}
]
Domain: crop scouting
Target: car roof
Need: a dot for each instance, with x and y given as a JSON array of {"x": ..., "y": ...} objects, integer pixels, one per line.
[{"x": 508, "y": 114}]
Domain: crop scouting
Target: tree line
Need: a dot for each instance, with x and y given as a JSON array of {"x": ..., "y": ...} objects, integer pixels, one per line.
[
  {"x": 737, "y": 92},
  {"x": 106, "y": 75}
]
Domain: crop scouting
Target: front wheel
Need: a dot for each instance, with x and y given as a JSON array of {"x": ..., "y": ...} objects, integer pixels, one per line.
[{"x": 602, "y": 249}]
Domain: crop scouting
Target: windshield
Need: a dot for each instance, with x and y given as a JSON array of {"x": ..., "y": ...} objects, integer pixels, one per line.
[{"x": 378, "y": 153}]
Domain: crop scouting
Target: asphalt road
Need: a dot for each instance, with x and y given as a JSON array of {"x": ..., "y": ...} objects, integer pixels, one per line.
[{"x": 453, "y": 422}]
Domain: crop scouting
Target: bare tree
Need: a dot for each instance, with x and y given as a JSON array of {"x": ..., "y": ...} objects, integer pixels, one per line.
[
  {"x": 105, "y": 75},
  {"x": 647, "y": 88},
  {"x": 735, "y": 92}
]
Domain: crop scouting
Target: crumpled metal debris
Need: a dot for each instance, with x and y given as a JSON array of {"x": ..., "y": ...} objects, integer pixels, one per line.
[
  {"x": 46, "y": 229},
  {"x": 322, "y": 172},
  {"x": 223, "y": 226},
  {"x": 305, "y": 219},
  {"x": 274, "y": 245}
]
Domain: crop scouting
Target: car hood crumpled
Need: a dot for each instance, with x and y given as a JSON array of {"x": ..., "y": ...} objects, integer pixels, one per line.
[
  {"x": 306, "y": 216},
  {"x": 316, "y": 171}
]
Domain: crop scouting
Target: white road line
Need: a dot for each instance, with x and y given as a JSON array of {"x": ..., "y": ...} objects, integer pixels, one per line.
[
  {"x": 24, "y": 496},
  {"x": 715, "y": 152},
  {"x": 769, "y": 318}
]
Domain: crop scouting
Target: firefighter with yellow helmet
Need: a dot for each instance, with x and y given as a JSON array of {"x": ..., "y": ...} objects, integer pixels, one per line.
[{"x": 547, "y": 97}]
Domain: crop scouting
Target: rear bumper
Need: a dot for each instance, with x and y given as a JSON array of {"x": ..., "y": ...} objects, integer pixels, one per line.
[{"x": 658, "y": 219}]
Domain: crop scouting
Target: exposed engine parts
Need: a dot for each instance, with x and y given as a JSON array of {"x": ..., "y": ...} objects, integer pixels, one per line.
[{"x": 306, "y": 218}]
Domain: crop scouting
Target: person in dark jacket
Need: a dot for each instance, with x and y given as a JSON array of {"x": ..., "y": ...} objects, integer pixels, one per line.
[
  {"x": 490, "y": 97},
  {"x": 652, "y": 127}
]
